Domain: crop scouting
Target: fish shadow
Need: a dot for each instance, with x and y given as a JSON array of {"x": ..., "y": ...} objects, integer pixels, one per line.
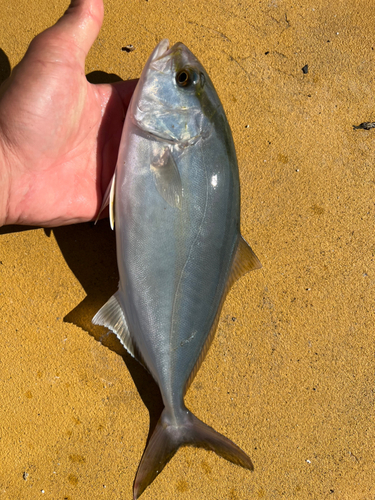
[{"x": 90, "y": 252}]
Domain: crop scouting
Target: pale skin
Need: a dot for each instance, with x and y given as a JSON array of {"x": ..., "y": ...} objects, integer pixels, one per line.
[{"x": 59, "y": 134}]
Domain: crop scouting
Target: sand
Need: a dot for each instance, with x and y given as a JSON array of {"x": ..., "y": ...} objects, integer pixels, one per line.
[{"x": 290, "y": 374}]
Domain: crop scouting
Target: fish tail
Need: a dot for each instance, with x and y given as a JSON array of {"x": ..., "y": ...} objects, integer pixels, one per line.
[{"x": 167, "y": 438}]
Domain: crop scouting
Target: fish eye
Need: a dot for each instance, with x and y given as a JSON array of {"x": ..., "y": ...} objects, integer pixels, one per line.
[{"x": 183, "y": 78}]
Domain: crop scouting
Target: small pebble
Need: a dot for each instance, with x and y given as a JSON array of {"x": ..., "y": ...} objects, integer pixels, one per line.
[
  {"x": 365, "y": 125},
  {"x": 128, "y": 48}
]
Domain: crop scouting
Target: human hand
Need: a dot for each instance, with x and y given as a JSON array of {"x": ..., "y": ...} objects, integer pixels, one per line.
[{"x": 59, "y": 134}]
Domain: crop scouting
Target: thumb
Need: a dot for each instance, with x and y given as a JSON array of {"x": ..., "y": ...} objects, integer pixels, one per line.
[{"x": 77, "y": 29}]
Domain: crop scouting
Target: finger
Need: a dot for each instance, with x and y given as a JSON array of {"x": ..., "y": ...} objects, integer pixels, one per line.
[
  {"x": 82, "y": 22},
  {"x": 78, "y": 27}
]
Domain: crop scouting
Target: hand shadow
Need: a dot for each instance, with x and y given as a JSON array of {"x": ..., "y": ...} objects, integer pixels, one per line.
[
  {"x": 102, "y": 77},
  {"x": 4, "y": 66}
]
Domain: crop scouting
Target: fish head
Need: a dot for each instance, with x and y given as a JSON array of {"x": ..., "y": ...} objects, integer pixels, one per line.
[{"x": 175, "y": 99}]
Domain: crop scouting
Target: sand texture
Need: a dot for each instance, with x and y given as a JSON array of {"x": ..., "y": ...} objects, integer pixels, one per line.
[{"x": 290, "y": 374}]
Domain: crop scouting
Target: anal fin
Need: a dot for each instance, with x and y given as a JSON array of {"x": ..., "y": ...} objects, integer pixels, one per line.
[{"x": 112, "y": 316}]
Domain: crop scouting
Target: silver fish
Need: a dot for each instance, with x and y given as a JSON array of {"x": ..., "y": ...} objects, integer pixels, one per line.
[{"x": 175, "y": 199}]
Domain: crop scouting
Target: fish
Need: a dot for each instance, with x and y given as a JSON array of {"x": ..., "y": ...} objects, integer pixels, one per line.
[{"x": 175, "y": 203}]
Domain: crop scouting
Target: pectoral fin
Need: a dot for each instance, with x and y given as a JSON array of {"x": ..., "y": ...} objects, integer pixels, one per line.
[
  {"x": 167, "y": 178},
  {"x": 109, "y": 199}
]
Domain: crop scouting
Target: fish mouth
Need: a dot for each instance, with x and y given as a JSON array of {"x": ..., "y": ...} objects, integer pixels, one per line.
[
  {"x": 160, "y": 50},
  {"x": 163, "y": 50}
]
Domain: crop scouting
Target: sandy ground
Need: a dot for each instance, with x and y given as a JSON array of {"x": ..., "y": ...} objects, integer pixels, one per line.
[{"x": 290, "y": 375}]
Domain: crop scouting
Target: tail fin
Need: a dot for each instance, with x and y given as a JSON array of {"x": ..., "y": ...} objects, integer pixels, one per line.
[{"x": 168, "y": 438}]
